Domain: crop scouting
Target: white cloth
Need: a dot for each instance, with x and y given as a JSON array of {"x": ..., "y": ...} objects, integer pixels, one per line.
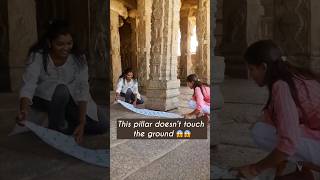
[
  {"x": 37, "y": 82},
  {"x": 148, "y": 112},
  {"x": 192, "y": 104},
  {"x": 67, "y": 144},
  {"x": 123, "y": 86},
  {"x": 265, "y": 136}
]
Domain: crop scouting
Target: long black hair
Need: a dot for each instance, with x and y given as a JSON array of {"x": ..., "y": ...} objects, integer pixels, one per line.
[
  {"x": 125, "y": 72},
  {"x": 55, "y": 28},
  {"x": 196, "y": 82},
  {"x": 266, "y": 51}
]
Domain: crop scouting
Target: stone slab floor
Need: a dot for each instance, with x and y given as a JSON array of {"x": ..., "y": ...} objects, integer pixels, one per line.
[
  {"x": 25, "y": 157},
  {"x": 157, "y": 159}
]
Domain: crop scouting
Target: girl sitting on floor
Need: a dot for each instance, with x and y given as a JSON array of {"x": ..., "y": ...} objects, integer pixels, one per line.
[
  {"x": 200, "y": 99},
  {"x": 290, "y": 130},
  {"x": 127, "y": 87},
  {"x": 56, "y": 82}
]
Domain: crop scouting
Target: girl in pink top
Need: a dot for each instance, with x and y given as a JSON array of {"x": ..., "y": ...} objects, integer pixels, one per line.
[
  {"x": 290, "y": 130},
  {"x": 201, "y": 97}
]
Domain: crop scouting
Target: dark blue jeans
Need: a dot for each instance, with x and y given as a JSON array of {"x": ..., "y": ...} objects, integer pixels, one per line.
[
  {"x": 63, "y": 110},
  {"x": 129, "y": 97}
]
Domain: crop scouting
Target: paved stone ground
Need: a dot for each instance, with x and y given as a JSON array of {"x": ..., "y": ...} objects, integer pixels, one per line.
[
  {"x": 26, "y": 157},
  {"x": 157, "y": 159}
]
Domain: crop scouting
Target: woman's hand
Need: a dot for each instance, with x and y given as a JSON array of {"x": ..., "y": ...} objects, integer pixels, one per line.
[
  {"x": 134, "y": 103},
  {"x": 21, "y": 117},
  {"x": 78, "y": 133},
  {"x": 187, "y": 116},
  {"x": 24, "y": 109},
  {"x": 248, "y": 171}
]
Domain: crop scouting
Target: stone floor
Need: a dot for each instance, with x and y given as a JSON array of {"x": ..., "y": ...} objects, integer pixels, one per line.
[
  {"x": 243, "y": 102},
  {"x": 157, "y": 159},
  {"x": 25, "y": 157}
]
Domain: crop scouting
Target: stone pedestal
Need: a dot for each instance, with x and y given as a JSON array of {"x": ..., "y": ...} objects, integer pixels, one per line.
[
  {"x": 163, "y": 95},
  {"x": 163, "y": 85}
]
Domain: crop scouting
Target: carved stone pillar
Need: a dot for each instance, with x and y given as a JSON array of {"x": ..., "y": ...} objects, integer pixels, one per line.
[
  {"x": 185, "y": 57},
  {"x": 163, "y": 85},
  {"x": 297, "y": 32},
  {"x": 292, "y": 28},
  {"x": 22, "y": 35},
  {"x": 144, "y": 38},
  {"x": 115, "y": 48},
  {"x": 202, "y": 68},
  {"x": 4, "y": 48}
]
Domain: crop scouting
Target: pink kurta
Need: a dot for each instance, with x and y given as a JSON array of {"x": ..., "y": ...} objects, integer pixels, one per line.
[
  {"x": 201, "y": 99},
  {"x": 288, "y": 119}
]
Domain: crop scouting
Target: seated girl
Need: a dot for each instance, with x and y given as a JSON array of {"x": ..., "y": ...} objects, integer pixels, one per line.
[
  {"x": 56, "y": 82},
  {"x": 200, "y": 99},
  {"x": 290, "y": 130},
  {"x": 127, "y": 87}
]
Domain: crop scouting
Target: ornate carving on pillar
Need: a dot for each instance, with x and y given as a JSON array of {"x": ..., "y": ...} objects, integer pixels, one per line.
[
  {"x": 163, "y": 85},
  {"x": 292, "y": 25}
]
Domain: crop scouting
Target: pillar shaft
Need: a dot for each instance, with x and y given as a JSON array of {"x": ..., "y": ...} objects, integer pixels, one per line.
[
  {"x": 115, "y": 48},
  {"x": 185, "y": 55},
  {"x": 143, "y": 38},
  {"x": 163, "y": 85},
  {"x": 22, "y": 35},
  {"x": 202, "y": 68}
]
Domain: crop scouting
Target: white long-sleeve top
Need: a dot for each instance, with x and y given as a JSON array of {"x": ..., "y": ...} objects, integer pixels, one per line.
[
  {"x": 123, "y": 85},
  {"x": 37, "y": 82}
]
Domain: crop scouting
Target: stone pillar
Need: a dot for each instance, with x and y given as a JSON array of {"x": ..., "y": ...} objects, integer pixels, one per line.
[
  {"x": 144, "y": 37},
  {"x": 22, "y": 35},
  {"x": 304, "y": 50},
  {"x": 314, "y": 37},
  {"x": 115, "y": 48},
  {"x": 266, "y": 23},
  {"x": 98, "y": 60},
  {"x": 163, "y": 85},
  {"x": 134, "y": 45},
  {"x": 4, "y": 48},
  {"x": 185, "y": 57},
  {"x": 217, "y": 61},
  {"x": 202, "y": 68},
  {"x": 297, "y": 32},
  {"x": 255, "y": 11}
]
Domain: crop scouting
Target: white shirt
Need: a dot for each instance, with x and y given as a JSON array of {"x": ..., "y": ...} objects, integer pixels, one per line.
[
  {"x": 37, "y": 82},
  {"x": 123, "y": 85}
]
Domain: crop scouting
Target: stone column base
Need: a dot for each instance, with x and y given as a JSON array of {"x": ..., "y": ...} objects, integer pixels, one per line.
[{"x": 162, "y": 95}]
